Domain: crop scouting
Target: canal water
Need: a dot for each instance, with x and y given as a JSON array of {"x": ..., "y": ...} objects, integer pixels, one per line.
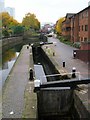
[{"x": 8, "y": 59}]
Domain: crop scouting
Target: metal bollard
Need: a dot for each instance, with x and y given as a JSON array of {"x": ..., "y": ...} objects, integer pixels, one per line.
[
  {"x": 31, "y": 74},
  {"x": 36, "y": 85},
  {"x": 63, "y": 64},
  {"x": 74, "y": 54},
  {"x": 53, "y": 53},
  {"x": 73, "y": 72},
  {"x": 46, "y": 47},
  {"x": 27, "y": 47}
]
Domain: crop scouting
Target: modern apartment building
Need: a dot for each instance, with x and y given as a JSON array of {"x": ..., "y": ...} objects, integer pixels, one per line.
[
  {"x": 2, "y": 5},
  {"x": 11, "y": 11},
  {"x": 77, "y": 26}
]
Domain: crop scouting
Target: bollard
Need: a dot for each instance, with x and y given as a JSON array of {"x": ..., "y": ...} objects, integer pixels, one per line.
[
  {"x": 29, "y": 44},
  {"x": 27, "y": 47},
  {"x": 31, "y": 74},
  {"x": 46, "y": 47},
  {"x": 63, "y": 64},
  {"x": 53, "y": 53},
  {"x": 36, "y": 85},
  {"x": 73, "y": 72},
  {"x": 74, "y": 54},
  {"x": 32, "y": 45}
]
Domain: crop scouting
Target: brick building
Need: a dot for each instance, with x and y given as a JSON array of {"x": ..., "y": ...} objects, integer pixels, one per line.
[
  {"x": 81, "y": 28},
  {"x": 66, "y": 26},
  {"x": 76, "y": 27}
]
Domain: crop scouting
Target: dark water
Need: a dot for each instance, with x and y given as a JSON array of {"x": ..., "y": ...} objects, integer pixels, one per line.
[{"x": 8, "y": 59}]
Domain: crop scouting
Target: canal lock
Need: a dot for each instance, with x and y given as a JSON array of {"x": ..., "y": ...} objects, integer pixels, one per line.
[{"x": 53, "y": 103}]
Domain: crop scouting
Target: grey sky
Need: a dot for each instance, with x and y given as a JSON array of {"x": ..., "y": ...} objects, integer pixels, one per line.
[{"x": 46, "y": 10}]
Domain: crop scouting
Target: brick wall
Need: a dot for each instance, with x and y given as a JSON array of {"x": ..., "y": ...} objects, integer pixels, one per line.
[
  {"x": 83, "y": 55},
  {"x": 85, "y": 46},
  {"x": 89, "y": 24},
  {"x": 76, "y": 28},
  {"x": 72, "y": 29},
  {"x": 80, "y": 26},
  {"x": 66, "y": 28},
  {"x": 83, "y": 20}
]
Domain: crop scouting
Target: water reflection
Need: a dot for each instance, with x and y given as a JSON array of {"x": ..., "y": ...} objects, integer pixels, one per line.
[
  {"x": 6, "y": 67},
  {"x": 8, "y": 56},
  {"x": 8, "y": 60}
]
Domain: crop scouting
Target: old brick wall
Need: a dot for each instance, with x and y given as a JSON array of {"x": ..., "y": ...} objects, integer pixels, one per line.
[
  {"x": 83, "y": 55},
  {"x": 76, "y": 28},
  {"x": 89, "y": 23},
  {"x": 85, "y": 45}
]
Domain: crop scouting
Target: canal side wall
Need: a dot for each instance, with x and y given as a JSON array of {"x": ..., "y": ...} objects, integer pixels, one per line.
[
  {"x": 55, "y": 66},
  {"x": 7, "y": 43},
  {"x": 81, "y": 102},
  {"x": 50, "y": 61},
  {"x": 11, "y": 42}
]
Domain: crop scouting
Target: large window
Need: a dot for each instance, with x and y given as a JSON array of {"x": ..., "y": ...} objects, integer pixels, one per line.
[
  {"x": 85, "y": 39},
  {"x": 86, "y": 27},
  {"x": 81, "y": 38}
]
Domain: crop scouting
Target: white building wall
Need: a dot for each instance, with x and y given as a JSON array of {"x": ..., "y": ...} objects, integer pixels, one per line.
[
  {"x": 11, "y": 11},
  {"x": 89, "y": 3},
  {"x": 2, "y": 6}
]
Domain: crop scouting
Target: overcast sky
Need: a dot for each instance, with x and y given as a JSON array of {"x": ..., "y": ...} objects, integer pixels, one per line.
[{"x": 46, "y": 10}]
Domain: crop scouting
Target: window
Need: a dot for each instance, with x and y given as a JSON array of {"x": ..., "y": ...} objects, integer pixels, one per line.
[
  {"x": 68, "y": 28},
  {"x": 86, "y": 13},
  {"x": 86, "y": 27},
  {"x": 85, "y": 39},
  {"x": 82, "y": 27},
  {"x": 81, "y": 39}
]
